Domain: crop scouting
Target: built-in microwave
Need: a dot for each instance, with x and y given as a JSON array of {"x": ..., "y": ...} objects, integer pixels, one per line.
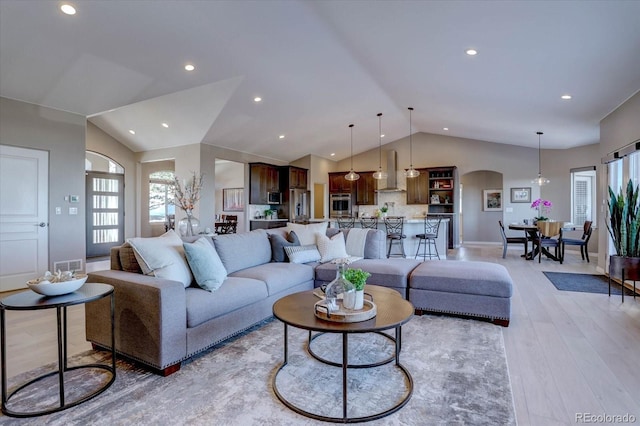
[
  {"x": 339, "y": 205},
  {"x": 274, "y": 197}
]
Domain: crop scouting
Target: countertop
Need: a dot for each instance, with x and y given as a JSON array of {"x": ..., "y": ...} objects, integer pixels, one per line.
[{"x": 269, "y": 220}]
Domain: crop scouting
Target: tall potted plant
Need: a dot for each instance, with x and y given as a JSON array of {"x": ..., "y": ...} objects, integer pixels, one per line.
[{"x": 624, "y": 227}]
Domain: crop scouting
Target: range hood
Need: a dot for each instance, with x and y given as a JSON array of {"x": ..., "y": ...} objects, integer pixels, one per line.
[{"x": 392, "y": 174}]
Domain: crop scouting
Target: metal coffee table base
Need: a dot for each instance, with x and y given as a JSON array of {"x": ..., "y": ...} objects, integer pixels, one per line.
[{"x": 345, "y": 366}]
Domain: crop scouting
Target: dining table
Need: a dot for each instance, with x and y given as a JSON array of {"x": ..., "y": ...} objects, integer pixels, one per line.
[{"x": 548, "y": 229}]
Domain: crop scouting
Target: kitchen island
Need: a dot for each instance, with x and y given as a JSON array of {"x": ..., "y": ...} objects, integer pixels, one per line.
[{"x": 412, "y": 227}]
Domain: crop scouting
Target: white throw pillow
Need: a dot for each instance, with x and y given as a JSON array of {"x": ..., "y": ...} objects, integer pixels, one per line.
[
  {"x": 331, "y": 248},
  {"x": 302, "y": 254},
  {"x": 162, "y": 257},
  {"x": 307, "y": 233}
]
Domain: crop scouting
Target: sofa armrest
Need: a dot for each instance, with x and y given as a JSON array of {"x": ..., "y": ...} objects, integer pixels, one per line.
[{"x": 150, "y": 318}]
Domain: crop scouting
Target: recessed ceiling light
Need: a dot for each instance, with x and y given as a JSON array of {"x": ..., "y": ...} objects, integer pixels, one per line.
[
  {"x": 445, "y": 128},
  {"x": 333, "y": 154},
  {"x": 382, "y": 136},
  {"x": 281, "y": 136},
  {"x": 68, "y": 9},
  {"x": 257, "y": 99},
  {"x": 133, "y": 132},
  {"x": 165, "y": 125},
  {"x": 566, "y": 97},
  {"x": 189, "y": 67},
  {"x": 471, "y": 52}
]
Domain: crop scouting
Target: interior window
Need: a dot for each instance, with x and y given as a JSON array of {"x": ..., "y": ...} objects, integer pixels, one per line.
[
  {"x": 161, "y": 196},
  {"x": 583, "y": 195}
]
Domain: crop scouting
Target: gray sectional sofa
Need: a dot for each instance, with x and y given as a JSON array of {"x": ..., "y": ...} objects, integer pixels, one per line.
[{"x": 160, "y": 323}]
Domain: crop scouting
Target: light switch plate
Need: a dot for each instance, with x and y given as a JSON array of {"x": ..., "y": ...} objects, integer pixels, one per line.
[
  {"x": 73, "y": 210},
  {"x": 509, "y": 210}
]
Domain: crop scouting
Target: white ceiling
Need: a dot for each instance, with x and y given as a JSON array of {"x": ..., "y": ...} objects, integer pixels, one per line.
[{"x": 322, "y": 65}]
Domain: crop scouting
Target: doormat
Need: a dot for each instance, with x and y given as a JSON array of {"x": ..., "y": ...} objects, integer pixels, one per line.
[{"x": 585, "y": 283}]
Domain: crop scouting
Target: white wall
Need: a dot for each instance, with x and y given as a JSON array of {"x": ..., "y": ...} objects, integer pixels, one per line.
[{"x": 62, "y": 134}]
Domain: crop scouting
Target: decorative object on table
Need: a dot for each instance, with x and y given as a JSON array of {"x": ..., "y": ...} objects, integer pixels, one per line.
[
  {"x": 187, "y": 195},
  {"x": 624, "y": 228},
  {"x": 380, "y": 174},
  {"x": 351, "y": 176},
  {"x": 233, "y": 199},
  {"x": 521, "y": 195},
  {"x": 492, "y": 200},
  {"x": 340, "y": 286},
  {"x": 540, "y": 180},
  {"x": 384, "y": 209},
  {"x": 543, "y": 207},
  {"x": 411, "y": 172},
  {"x": 57, "y": 284},
  {"x": 358, "y": 278}
]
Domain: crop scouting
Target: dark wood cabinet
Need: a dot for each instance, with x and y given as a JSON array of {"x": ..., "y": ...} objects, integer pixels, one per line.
[
  {"x": 266, "y": 224},
  {"x": 366, "y": 189},
  {"x": 442, "y": 189},
  {"x": 264, "y": 178},
  {"x": 418, "y": 188},
  {"x": 293, "y": 178},
  {"x": 338, "y": 184}
]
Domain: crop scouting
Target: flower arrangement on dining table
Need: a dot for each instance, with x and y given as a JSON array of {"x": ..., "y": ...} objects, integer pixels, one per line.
[{"x": 543, "y": 207}]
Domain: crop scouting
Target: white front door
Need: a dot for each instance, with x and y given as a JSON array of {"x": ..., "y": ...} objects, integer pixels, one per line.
[{"x": 24, "y": 232}]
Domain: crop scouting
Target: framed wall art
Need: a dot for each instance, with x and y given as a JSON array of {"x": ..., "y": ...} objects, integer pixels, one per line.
[
  {"x": 521, "y": 195},
  {"x": 492, "y": 200},
  {"x": 233, "y": 199}
]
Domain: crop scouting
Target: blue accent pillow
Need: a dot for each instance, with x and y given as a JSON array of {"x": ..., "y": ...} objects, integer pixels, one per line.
[
  {"x": 206, "y": 266},
  {"x": 278, "y": 243}
]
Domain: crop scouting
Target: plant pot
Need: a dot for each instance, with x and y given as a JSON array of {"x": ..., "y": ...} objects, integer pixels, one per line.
[
  {"x": 630, "y": 265},
  {"x": 359, "y": 300}
]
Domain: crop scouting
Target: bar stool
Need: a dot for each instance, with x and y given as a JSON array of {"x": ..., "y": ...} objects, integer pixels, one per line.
[
  {"x": 395, "y": 234},
  {"x": 346, "y": 222},
  {"x": 369, "y": 222},
  {"x": 431, "y": 229}
]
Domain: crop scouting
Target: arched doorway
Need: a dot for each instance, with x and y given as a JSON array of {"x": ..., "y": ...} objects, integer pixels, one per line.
[{"x": 104, "y": 189}]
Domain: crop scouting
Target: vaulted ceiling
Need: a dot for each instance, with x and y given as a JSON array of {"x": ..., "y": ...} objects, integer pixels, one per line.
[{"x": 320, "y": 65}]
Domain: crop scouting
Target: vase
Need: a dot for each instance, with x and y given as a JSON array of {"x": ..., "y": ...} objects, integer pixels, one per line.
[
  {"x": 340, "y": 286},
  {"x": 189, "y": 226}
]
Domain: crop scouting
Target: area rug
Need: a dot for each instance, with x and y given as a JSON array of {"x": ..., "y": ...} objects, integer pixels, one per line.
[
  {"x": 458, "y": 367},
  {"x": 585, "y": 283}
]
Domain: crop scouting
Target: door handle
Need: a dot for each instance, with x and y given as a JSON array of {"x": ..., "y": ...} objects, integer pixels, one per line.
[{"x": 41, "y": 224}]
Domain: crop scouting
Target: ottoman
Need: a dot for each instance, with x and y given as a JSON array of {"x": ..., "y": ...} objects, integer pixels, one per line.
[{"x": 477, "y": 289}]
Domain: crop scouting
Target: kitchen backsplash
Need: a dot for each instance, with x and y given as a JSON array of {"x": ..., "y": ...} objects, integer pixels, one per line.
[{"x": 397, "y": 202}]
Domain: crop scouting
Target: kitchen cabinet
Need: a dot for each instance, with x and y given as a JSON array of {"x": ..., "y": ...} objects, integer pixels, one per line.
[
  {"x": 267, "y": 224},
  {"x": 366, "y": 189},
  {"x": 264, "y": 178},
  {"x": 338, "y": 184},
  {"x": 418, "y": 188},
  {"x": 293, "y": 178},
  {"x": 442, "y": 189}
]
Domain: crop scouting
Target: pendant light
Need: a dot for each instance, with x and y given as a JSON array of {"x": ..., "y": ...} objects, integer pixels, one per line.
[
  {"x": 411, "y": 173},
  {"x": 540, "y": 180},
  {"x": 351, "y": 175},
  {"x": 380, "y": 174}
]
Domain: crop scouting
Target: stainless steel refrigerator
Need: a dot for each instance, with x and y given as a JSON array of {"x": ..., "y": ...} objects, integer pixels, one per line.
[{"x": 299, "y": 204}]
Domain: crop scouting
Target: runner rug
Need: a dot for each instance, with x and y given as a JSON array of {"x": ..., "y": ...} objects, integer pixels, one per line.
[{"x": 458, "y": 367}]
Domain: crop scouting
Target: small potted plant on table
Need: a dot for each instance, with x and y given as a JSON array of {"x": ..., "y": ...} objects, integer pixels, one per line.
[{"x": 358, "y": 278}]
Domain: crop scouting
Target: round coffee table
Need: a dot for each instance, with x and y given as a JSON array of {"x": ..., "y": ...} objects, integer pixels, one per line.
[
  {"x": 393, "y": 311},
  {"x": 28, "y": 301}
]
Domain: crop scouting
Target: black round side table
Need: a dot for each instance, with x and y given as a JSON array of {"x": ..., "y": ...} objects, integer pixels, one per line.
[{"x": 28, "y": 301}]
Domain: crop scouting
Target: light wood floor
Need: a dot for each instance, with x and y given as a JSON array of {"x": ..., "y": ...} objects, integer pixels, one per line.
[{"x": 567, "y": 352}]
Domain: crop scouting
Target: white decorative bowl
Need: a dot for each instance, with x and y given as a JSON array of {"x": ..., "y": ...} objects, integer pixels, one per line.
[{"x": 57, "y": 289}]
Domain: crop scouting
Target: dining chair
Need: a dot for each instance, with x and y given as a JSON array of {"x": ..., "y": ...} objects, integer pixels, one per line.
[
  {"x": 428, "y": 238},
  {"x": 369, "y": 222},
  {"x": 395, "y": 235},
  {"x": 543, "y": 242},
  {"x": 583, "y": 242},
  {"x": 512, "y": 240},
  {"x": 346, "y": 222}
]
